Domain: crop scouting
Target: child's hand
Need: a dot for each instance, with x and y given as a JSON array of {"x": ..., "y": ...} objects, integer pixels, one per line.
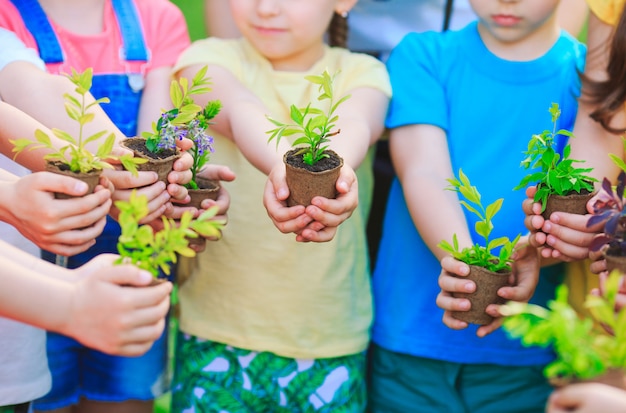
[
  {"x": 587, "y": 398},
  {"x": 62, "y": 226},
  {"x": 328, "y": 214},
  {"x": 286, "y": 219},
  {"x": 564, "y": 236},
  {"x": 146, "y": 183},
  {"x": 179, "y": 176},
  {"x": 110, "y": 313},
  {"x": 522, "y": 286}
]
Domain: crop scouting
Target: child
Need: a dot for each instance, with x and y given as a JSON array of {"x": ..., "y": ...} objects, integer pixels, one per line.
[
  {"x": 131, "y": 46},
  {"x": 467, "y": 99},
  {"x": 269, "y": 324},
  {"x": 25, "y": 375}
]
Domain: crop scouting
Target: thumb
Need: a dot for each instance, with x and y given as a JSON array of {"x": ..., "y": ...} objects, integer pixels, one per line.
[
  {"x": 346, "y": 180},
  {"x": 52, "y": 182},
  {"x": 566, "y": 397},
  {"x": 279, "y": 182},
  {"x": 125, "y": 275}
]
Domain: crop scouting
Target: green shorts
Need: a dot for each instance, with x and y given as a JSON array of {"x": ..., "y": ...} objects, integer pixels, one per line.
[
  {"x": 214, "y": 377},
  {"x": 401, "y": 383}
]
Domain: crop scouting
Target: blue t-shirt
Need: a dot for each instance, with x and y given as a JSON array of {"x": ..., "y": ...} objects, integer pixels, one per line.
[{"x": 489, "y": 108}]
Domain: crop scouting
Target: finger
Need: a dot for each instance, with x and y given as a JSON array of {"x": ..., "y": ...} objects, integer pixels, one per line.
[
  {"x": 176, "y": 211},
  {"x": 598, "y": 267},
  {"x": 217, "y": 173},
  {"x": 449, "y": 264},
  {"x": 61, "y": 183},
  {"x": 184, "y": 144},
  {"x": 125, "y": 180},
  {"x": 326, "y": 212},
  {"x": 483, "y": 331},
  {"x": 452, "y": 322},
  {"x": 148, "y": 316},
  {"x": 90, "y": 219},
  {"x": 64, "y": 249},
  {"x": 449, "y": 303},
  {"x": 323, "y": 235},
  {"x": 453, "y": 284},
  {"x": 130, "y": 350},
  {"x": 185, "y": 162},
  {"x": 178, "y": 192},
  {"x": 79, "y": 237}
]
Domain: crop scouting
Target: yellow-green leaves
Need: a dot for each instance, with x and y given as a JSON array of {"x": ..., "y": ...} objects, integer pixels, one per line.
[
  {"x": 584, "y": 349},
  {"x": 480, "y": 255},
  {"x": 140, "y": 245},
  {"x": 313, "y": 125},
  {"x": 551, "y": 172},
  {"x": 75, "y": 154}
]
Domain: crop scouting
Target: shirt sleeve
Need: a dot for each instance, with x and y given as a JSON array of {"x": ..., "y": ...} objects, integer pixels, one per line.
[
  {"x": 418, "y": 92},
  {"x": 165, "y": 29},
  {"x": 13, "y": 49},
  {"x": 609, "y": 11}
]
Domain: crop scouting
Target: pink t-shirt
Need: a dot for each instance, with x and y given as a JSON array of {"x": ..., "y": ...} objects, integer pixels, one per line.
[{"x": 165, "y": 34}]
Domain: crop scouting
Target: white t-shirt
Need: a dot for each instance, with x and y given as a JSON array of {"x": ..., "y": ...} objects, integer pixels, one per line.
[
  {"x": 378, "y": 25},
  {"x": 24, "y": 374}
]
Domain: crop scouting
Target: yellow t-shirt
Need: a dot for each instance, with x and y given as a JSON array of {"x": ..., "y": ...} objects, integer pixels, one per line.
[
  {"x": 609, "y": 11},
  {"x": 257, "y": 288}
]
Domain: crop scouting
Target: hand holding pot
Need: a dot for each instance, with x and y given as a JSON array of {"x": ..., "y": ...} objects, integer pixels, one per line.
[
  {"x": 564, "y": 236},
  {"x": 317, "y": 222},
  {"x": 109, "y": 314},
  {"x": 62, "y": 226},
  {"x": 522, "y": 286}
]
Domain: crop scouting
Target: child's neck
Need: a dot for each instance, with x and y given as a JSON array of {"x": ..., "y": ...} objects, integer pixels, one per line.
[
  {"x": 84, "y": 17},
  {"x": 531, "y": 47}
]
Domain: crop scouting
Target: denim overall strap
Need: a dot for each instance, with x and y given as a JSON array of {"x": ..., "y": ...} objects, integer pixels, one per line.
[
  {"x": 39, "y": 26},
  {"x": 128, "y": 21}
]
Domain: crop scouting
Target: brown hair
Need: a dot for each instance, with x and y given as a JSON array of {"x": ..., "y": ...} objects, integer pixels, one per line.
[
  {"x": 338, "y": 31},
  {"x": 609, "y": 96}
]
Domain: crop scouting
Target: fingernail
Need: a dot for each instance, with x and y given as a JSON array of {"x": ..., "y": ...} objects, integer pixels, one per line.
[
  {"x": 80, "y": 187},
  {"x": 469, "y": 287},
  {"x": 145, "y": 276},
  {"x": 547, "y": 226},
  {"x": 282, "y": 193}
]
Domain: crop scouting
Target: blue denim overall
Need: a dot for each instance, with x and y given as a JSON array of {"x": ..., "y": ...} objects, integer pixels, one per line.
[
  {"x": 76, "y": 370},
  {"x": 124, "y": 90}
]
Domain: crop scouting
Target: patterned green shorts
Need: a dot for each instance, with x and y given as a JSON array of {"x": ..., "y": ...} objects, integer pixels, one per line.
[{"x": 213, "y": 377}]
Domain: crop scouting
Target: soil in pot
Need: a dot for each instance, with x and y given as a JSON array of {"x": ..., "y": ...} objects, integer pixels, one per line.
[
  {"x": 574, "y": 203},
  {"x": 207, "y": 189},
  {"x": 161, "y": 162},
  {"x": 91, "y": 178},
  {"x": 487, "y": 285},
  {"x": 308, "y": 181}
]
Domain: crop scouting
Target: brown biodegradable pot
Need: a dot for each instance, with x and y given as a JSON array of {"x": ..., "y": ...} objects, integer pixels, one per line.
[
  {"x": 308, "y": 181},
  {"x": 91, "y": 178},
  {"x": 487, "y": 285},
  {"x": 207, "y": 189},
  {"x": 574, "y": 203},
  {"x": 612, "y": 376},
  {"x": 161, "y": 163},
  {"x": 615, "y": 261}
]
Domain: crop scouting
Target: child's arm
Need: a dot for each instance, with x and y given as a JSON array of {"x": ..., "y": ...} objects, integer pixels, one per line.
[
  {"x": 242, "y": 118},
  {"x": 421, "y": 160},
  {"x": 98, "y": 304}
]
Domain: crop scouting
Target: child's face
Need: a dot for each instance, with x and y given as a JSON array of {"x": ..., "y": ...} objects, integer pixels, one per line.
[
  {"x": 511, "y": 22},
  {"x": 289, "y": 33}
]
